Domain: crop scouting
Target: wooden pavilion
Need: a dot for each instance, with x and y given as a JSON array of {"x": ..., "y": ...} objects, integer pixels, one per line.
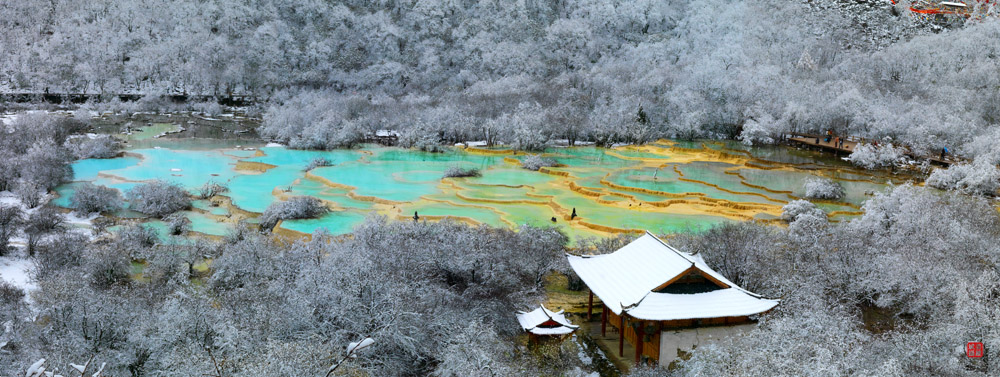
[{"x": 648, "y": 286}]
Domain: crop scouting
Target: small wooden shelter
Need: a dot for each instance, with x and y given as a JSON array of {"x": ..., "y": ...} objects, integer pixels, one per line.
[
  {"x": 648, "y": 286},
  {"x": 544, "y": 322}
]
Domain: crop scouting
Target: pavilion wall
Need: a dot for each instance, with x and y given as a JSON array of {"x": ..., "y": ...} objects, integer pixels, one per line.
[{"x": 651, "y": 348}]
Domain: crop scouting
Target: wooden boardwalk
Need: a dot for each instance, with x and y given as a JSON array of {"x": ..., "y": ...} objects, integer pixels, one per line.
[
  {"x": 851, "y": 143},
  {"x": 848, "y": 146}
]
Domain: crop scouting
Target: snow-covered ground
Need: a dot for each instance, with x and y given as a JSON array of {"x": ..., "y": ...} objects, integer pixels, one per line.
[
  {"x": 7, "y": 119},
  {"x": 16, "y": 269}
]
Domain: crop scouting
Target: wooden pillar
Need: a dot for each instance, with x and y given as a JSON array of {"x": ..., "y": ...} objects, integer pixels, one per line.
[
  {"x": 621, "y": 334},
  {"x": 639, "y": 332},
  {"x": 590, "y": 307},
  {"x": 604, "y": 320}
]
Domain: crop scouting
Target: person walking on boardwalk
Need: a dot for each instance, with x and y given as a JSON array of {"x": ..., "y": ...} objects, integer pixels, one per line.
[{"x": 829, "y": 135}]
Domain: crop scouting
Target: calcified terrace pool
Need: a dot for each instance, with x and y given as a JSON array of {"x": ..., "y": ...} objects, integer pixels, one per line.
[{"x": 664, "y": 187}]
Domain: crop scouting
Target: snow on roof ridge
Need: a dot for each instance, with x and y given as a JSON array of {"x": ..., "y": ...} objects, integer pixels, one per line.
[{"x": 671, "y": 248}]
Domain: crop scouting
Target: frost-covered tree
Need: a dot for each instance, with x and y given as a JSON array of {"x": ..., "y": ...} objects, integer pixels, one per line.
[
  {"x": 980, "y": 177},
  {"x": 791, "y": 211},
  {"x": 823, "y": 188},
  {"x": 40, "y": 223},
  {"x": 317, "y": 162},
  {"x": 99, "y": 146},
  {"x": 298, "y": 207},
  {"x": 536, "y": 161},
  {"x": 10, "y": 221},
  {"x": 460, "y": 172},
  {"x": 89, "y": 198},
  {"x": 870, "y": 156},
  {"x": 30, "y": 193},
  {"x": 46, "y": 165},
  {"x": 177, "y": 224},
  {"x": 158, "y": 198},
  {"x": 211, "y": 188}
]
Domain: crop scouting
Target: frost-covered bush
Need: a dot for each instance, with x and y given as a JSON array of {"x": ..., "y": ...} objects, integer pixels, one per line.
[
  {"x": 10, "y": 221},
  {"x": 211, "y": 188},
  {"x": 298, "y": 207},
  {"x": 791, "y": 211},
  {"x": 536, "y": 161},
  {"x": 869, "y": 156},
  {"x": 9, "y": 295},
  {"x": 739, "y": 251},
  {"x": 30, "y": 193},
  {"x": 60, "y": 252},
  {"x": 460, "y": 172},
  {"x": 421, "y": 137},
  {"x": 177, "y": 224},
  {"x": 317, "y": 162},
  {"x": 100, "y": 146},
  {"x": 137, "y": 236},
  {"x": 108, "y": 267},
  {"x": 760, "y": 127},
  {"x": 40, "y": 223},
  {"x": 158, "y": 198},
  {"x": 46, "y": 164},
  {"x": 210, "y": 108},
  {"x": 980, "y": 177},
  {"x": 316, "y": 120},
  {"x": 89, "y": 198},
  {"x": 823, "y": 188}
]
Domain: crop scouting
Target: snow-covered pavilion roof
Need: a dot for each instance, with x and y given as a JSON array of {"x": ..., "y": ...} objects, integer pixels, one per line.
[
  {"x": 531, "y": 321},
  {"x": 626, "y": 280},
  {"x": 729, "y": 302}
]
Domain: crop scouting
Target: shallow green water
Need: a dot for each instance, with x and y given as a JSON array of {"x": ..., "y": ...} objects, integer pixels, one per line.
[{"x": 654, "y": 188}]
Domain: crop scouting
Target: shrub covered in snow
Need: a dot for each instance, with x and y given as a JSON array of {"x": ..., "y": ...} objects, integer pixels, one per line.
[
  {"x": 158, "y": 198},
  {"x": 211, "y": 188},
  {"x": 30, "y": 193},
  {"x": 100, "y": 146},
  {"x": 870, "y": 156},
  {"x": 89, "y": 198},
  {"x": 41, "y": 222},
  {"x": 823, "y": 188},
  {"x": 980, "y": 177},
  {"x": 10, "y": 221},
  {"x": 137, "y": 236},
  {"x": 421, "y": 137},
  {"x": 298, "y": 207},
  {"x": 796, "y": 208},
  {"x": 460, "y": 172},
  {"x": 536, "y": 161},
  {"x": 177, "y": 224},
  {"x": 108, "y": 267},
  {"x": 317, "y": 162},
  {"x": 46, "y": 165},
  {"x": 59, "y": 252},
  {"x": 9, "y": 295}
]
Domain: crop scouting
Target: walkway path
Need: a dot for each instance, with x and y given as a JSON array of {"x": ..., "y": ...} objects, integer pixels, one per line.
[{"x": 851, "y": 143}]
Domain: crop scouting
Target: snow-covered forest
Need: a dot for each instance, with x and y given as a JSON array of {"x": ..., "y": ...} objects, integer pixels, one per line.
[
  {"x": 895, "y": 291},
  {"x": 495, "y": 70}
]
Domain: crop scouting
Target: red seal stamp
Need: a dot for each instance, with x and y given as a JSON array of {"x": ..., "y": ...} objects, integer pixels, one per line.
[{"x": 974, "y": 349}]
